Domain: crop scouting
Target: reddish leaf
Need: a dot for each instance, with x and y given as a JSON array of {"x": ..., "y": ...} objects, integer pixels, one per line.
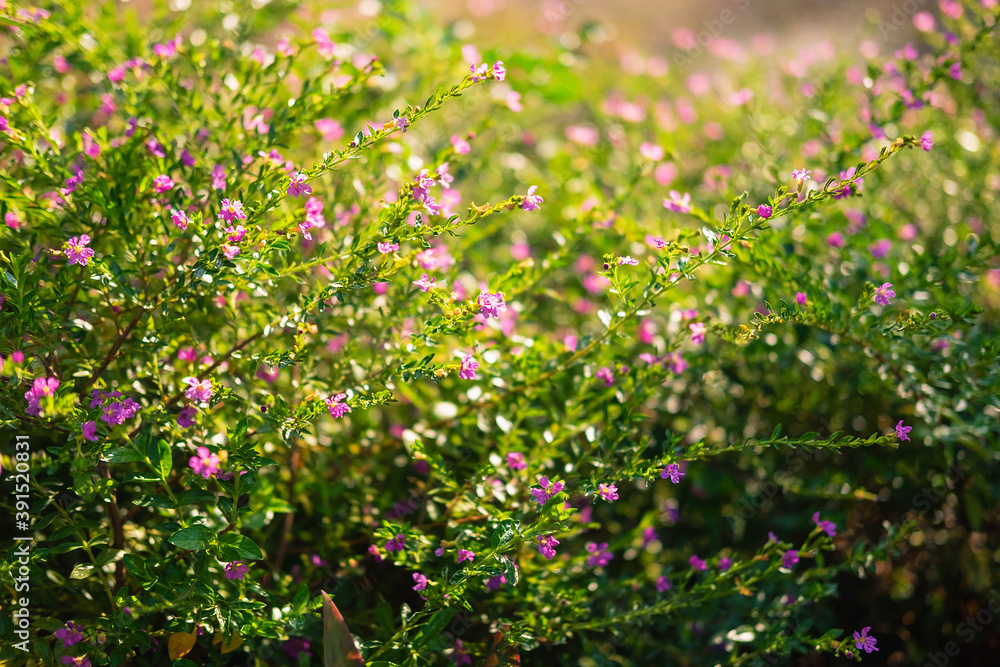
[
  {"x": 502, "y": 654},
  {"x": 338, "y": 645}
]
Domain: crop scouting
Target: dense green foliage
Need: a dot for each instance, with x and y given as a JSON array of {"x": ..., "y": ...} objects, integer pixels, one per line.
[{"x": 761, "y": 352}]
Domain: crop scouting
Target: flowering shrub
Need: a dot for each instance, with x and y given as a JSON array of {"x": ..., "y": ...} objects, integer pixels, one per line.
[{"x": 266, "y": 346}]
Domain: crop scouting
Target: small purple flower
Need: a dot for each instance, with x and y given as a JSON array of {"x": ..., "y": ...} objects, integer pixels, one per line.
[
  {"x": 880, "y": 248},
  {"x": 547, "y": 545},
  {"x": 600, "y": 556},
  {"x": 678, "y": 203},
  {"x": 532, "y": 202},
  {"x": 764, "y": 211},
  {"x": 800, "y": 298},
  {"x": 863, "y": 641},
  {"x": 396, "y": 544},
  {"x": 419, "y": 581},
  {"x": 649, "y": 535},
  {"x": 673, "y": 472},
  {"x": 627, "y": 260},
  {"x": 385, "y": 247},
  {"x": 725, "y": 563},
  {"x": 662, "y": 584},
  {"x": 828, "y": 527},
  {"x": 296, "y": 646},
  {"x": 927, "y": 141},
  {"x": 465, "y": 555},
  {"x": 901, "y": 431},
  {"x": 548, "y": 490},
  {"x": 498, "y": 70},
  {"x": 198, "y": 390},
  {"x": 90, "y": 431},
  {"x": 236, "y": 570},
  {"x": 607, "y": 375},
  {"x": 884, "y": 293},
  {"x": 70, "y": 634},
  {"x": 697, "y": 563},
  {"x": 697, "y": 332},
  {"x": 789, "y": 559},
  {"x": 186, "y": 418}
]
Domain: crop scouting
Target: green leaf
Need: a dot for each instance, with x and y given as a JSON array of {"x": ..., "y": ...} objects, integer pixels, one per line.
[
  {"x": 193, "y": 538},
  {"x": 122, "y": 455},
  {"x": 434, "y": 627},
  {"x": 82, "y": 571},
  {"x": 233, "y": 546},
  {"x": 165, "y": 460}
]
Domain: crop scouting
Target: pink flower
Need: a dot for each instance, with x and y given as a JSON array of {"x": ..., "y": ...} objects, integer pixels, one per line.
[
  {"x": 77, "y": 251},
  {"x": 651, "y": 151},
  {"x": 205, "y": 463},
  {"x": 924, "y": 22},
  {"x": 419, "y": 581},
  {"x": 491, "y": 305},
  {"x": 469, "y": 366},
  {"x": 180, "y": 219},
  {"x": 498, "y": 71},
  {"x": 801, "y": 174},
  {"x": 678, "y": 203},
  {"x": 236, "y": 570},
  {"x": 835, "y": 240},
  {"x": 12, "y": 220},
  {"x": 162, "y": 183},
  {"x": 697, "y": 563},
  {"x": 725, "y": 563},
  {"x": 236, "y": 234},
  {"x": 764, "y": 211},
  {"x": 800, "y": 298},
  {"x": 90, "y": 431},
  {"x": 338, "y": 409},
  {"x": 697, "y": 332},
  {"x": 385, "y": 247},
  {"x": 232, "y": 210},
  {"x": 230, "y": 251},
  {"x": 460, "y": 145},
  {"x": 880, "y": 248},
  {"x": 927, "y": 141},
  {"x": 662, "y": 584},
  {"x": 546, "y": 545},
  {"x": 883, "y": 294},
  {"x": 606, "y": 374},
  {"x": 198, "y": 390},
  {"x": 297, "y": 186},
  {"x": 608, "y": 492},
  {"x": 515, "y": 461},
  {"x": 901, "y": 431},
  {"x": 40, "y": 387},
  {"x": 547, "y": 491},
  {"x": 789, "y": 559},
  {"x": 425, "y": 282},
  {"x": 329, "y": 128},
  {"x": 396, "y": 544},
  {"x": 465, "y": 555},
  {"x": 83, "y": 661},
  {"x": 627, "y": 260},
  {"x": 532, "y": 202}
]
